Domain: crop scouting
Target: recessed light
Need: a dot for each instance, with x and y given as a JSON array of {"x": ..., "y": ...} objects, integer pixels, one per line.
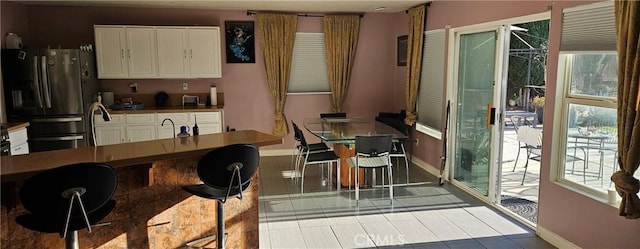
[{"x": 380, "y": 9}]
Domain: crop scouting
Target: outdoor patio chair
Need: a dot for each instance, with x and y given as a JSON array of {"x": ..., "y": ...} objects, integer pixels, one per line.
[{"x": 531, "y": 138}]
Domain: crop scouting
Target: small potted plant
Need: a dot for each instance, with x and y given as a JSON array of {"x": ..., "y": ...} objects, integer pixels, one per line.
[
  {"x": 538, "y": 104},
  {"x": 513, "y": 101}
]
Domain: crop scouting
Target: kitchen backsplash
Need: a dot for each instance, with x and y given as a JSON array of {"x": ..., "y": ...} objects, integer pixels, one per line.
[
  {"x": 175, "y": 99},
  {"x": 153, "y": 86}
]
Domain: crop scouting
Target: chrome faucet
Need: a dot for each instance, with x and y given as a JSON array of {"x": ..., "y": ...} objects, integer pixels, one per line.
[
  {"x": 172, "y": 124},
  {"x": 105, "y": 116}
]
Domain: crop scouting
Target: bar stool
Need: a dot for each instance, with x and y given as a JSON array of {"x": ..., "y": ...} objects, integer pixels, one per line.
[
  {"x": 69, "y": 198},
  {"x": 225, "y": 172}
]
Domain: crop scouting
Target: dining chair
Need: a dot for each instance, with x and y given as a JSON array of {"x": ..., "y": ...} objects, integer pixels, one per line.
[
  {"x": 299, "y": 150},
  {"x": 397, "y": 152},
  {"x": 372, "y": 152},
  {"x": 312, "y": 157}
]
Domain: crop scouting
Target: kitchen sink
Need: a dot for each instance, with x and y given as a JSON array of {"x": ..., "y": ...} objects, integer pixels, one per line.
[{"x": 136, "y": 106}]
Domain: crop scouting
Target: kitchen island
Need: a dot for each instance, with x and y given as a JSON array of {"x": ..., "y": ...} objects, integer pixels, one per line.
[{"x": 152, "y": 211}]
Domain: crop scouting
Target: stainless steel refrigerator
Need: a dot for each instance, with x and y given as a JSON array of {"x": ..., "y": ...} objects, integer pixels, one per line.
[{"x": 52, "y": 89}]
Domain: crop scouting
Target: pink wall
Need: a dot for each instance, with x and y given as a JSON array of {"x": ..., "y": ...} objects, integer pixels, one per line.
[
  {"x": 13, "y": 21},
  {"x": 247, "y": 100}
]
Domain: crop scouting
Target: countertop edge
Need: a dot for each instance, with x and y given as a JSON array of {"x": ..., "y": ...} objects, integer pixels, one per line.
[{"x": 130, "y": 154}]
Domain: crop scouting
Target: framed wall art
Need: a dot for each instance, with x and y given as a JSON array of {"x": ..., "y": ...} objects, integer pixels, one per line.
[
  {"x": 240, "y": 42},
  {"x": 402, "y": 50}
]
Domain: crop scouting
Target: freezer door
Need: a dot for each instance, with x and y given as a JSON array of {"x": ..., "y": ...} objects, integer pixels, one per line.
[
  {"x": 61, "y": 80},
  {"x": 56, "y": 125},
  {"x": 65, "y": 141},
  {"x": 21, "y": 80}
]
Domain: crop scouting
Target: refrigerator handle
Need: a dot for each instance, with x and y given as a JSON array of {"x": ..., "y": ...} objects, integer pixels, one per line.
[
  {"x": 36, "y": 81},
  {"x": 45, "y": 82}
]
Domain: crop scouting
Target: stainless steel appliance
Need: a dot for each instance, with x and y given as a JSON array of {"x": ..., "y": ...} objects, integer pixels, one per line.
[{"x": 52, "y": 89}]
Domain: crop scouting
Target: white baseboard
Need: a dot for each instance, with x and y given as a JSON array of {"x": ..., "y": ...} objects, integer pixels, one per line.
[
  {"x": 280, "y": 152},
  {"x": 424, "y": 165},
  {"x": 554, "y": 239}
]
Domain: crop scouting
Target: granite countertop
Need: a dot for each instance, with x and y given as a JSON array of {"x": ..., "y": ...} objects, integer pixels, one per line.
[
  {"x": 127, "y": 154},
  {"x": 154, "y": 109},
  {"x": 14, "y": 126}
]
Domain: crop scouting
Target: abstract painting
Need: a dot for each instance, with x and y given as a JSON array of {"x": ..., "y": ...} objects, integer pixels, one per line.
[{"x": 240, "y": 42}]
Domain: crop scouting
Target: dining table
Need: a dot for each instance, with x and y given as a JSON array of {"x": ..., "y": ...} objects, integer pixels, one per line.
[{"x": 341, "y": 134}]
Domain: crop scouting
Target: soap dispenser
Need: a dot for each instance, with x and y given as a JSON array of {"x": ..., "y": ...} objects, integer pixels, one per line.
[{"x": 184, "y": 131}]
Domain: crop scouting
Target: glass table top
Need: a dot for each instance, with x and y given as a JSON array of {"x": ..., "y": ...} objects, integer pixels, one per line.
[{"x": 345, "y": 130}]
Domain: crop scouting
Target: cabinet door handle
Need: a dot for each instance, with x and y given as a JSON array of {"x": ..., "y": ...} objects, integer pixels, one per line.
[
  {"x": 122, "y": 53},
  {"x": 185, "y": 53},
  {"x": 191, "y": 53},
  {"x": 129, "y": 53}
]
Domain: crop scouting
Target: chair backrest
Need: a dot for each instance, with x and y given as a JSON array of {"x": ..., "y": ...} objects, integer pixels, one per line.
[
  {"x": 530, "y": 136},
  {"x": 333, "y": 115},
  {"x": 216, "y": 168},
  {"x": 296, "y": 131},
  {"x": 41, "y": 194},
  {"x": 373, "y": 145},
  {"x": 299, "y": 136}
]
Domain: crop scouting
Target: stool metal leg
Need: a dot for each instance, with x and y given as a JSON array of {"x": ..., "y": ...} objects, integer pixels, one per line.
[
  {"x": 71, "y": 240},
  {"x": 221, "y": 237}
]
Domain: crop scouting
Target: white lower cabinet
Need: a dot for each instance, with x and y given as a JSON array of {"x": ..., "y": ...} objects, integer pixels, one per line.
[
  {"x": 106, "y": 135},
  {"x": 126, "y": 128},
  {"x": 138, "y": 133},
  {"x": 19, "y": 145}
]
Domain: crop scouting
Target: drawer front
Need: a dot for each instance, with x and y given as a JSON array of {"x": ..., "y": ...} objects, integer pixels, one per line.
[
  {"x": 209, "y": 128},
  {"x": 178, "y": 118},
  {"x": 19, "y": 149},
  {"x": 141, "y": 118},
  {"x": 205, "y": 117},
  {"x": 18, "y": 136},
  {"x": 116, "y": 119}
]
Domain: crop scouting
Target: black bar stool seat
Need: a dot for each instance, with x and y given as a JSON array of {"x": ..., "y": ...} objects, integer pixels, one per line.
[
  {"x": 68, "y": 198},
  {"x": 225, "y": 172}
]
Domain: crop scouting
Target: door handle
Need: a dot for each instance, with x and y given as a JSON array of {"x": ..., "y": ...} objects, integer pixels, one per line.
[
  {"x": 492, "y": 121},
  {"x": 56, "y": 120},
  {"x": 63, "y": 138},
  {"x": 45, "y": 82}
]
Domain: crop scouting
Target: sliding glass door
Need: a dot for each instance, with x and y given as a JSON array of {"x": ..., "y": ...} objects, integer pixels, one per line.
[{"x": 477, "y": 79}]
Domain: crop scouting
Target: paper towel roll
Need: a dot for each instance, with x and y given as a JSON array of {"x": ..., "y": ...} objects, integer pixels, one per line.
[{"x": 214, "y": 96}]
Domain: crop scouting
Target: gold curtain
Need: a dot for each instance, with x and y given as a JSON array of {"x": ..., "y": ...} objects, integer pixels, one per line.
[
  {"x": 341, "y": 40},
  {"x": 276, "y": 35},
  {"x": 414, "y": 59},
  {"x": 628, "y": 41}
]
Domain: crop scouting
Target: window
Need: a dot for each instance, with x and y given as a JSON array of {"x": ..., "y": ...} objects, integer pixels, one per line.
[
  {"x": 430, "y": 92},
  {"x": 590, "y": 114},
  {"x": 308, "y": 66},
  {"x": 588, "y": 67}
]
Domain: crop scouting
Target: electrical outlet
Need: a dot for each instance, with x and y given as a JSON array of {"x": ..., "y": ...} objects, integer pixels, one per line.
[
  {"x": 134, "y": 87},
  {"x": 185, "y": 86},
  {"x": 417, "y": 142}
]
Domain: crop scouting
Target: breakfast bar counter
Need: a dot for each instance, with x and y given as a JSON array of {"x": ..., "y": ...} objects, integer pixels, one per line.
[{"x": 152, "y": 211}]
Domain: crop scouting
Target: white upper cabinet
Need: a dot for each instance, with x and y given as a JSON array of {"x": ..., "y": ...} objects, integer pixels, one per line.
[
  {"x": 189, "y": 52},
  {"x": 111, "y": 43},
  {"x": 142, "y": 52},
  {"x": 205, "y": 59},
  {"x": 126, "y": 52},
  {"x": 157, "y": 52},
  {"x": 172, "y": 52}
]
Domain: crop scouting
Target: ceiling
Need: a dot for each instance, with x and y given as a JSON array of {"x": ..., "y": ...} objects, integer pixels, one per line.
[{"x": 309, "y": 6}]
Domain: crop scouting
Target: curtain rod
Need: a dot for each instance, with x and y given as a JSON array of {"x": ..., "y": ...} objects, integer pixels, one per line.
[
  {"x": 254, "y": 13},
  {"x": 427, "y": 4}
]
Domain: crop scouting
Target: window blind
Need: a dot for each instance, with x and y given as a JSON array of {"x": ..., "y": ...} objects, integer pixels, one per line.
[
  {"x": 431, "y": 90},
  {"x": 309, "y": 67},
  {"x": 589, "y": 28}
]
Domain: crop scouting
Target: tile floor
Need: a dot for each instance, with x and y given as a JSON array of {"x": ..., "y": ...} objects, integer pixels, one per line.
[{"x": 423, "y": 214}]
